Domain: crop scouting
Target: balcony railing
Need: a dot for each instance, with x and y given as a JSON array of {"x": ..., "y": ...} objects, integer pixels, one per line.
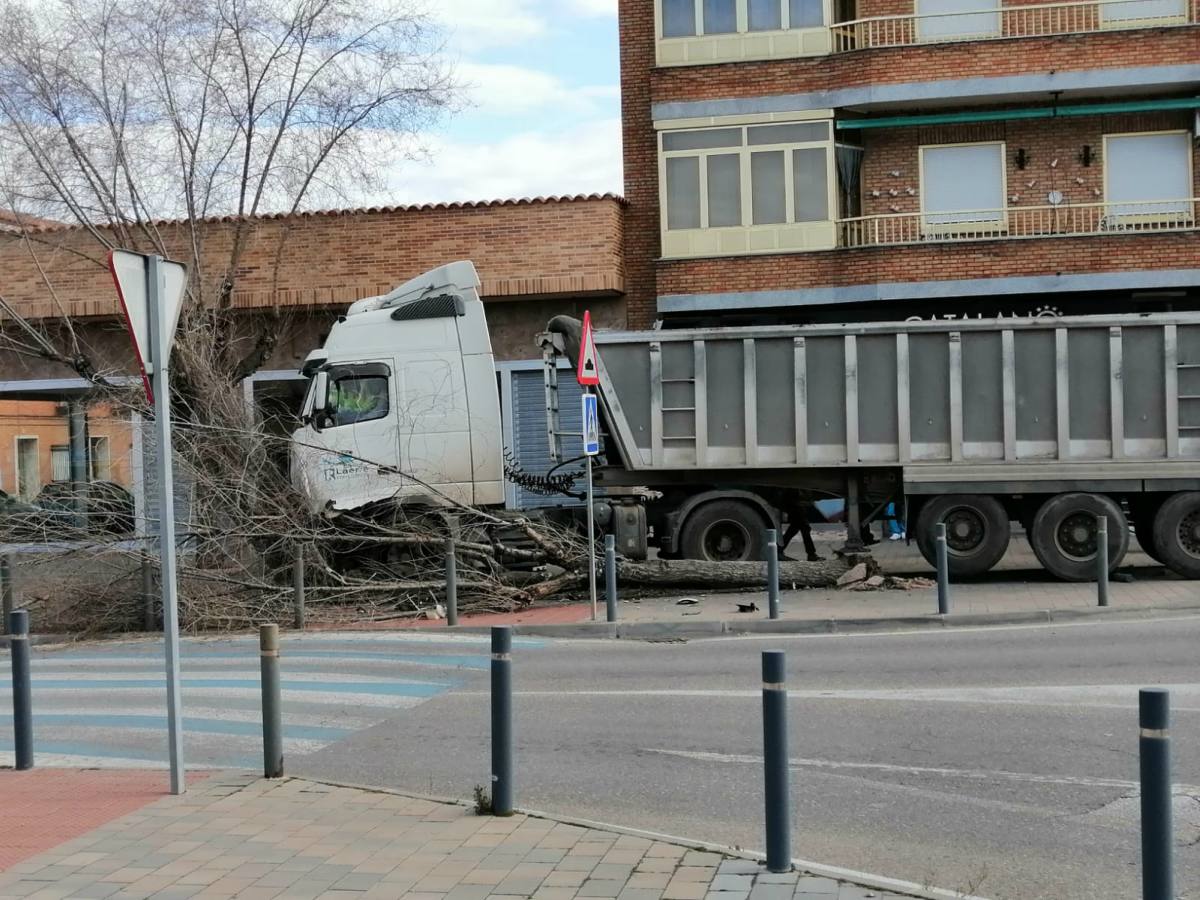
[
  {"x": 1011, "y": 21},
  {"x": 1018, "y": 222}
]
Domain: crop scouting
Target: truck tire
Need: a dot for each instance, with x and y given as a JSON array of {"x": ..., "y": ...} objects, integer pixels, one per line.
[
  {"x": 977, "y": 532},
  {"x": 724, "y": 531},
  {"x": 1177, "y": 534},
  {"x": 1064, "y": 535},
  {"x": 1145, "y": 512}
]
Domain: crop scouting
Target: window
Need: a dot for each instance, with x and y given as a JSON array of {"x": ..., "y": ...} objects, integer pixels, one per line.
[
  {"x": 748, "y": 175},
  {"x": 698, "y": 18},
  {"x": 963, "y": 184},
  {"x": 99, "y": 461},
  {"x": 947, "y": 20},
  {"x": 1150, "y": 11},
  {"x": 356, "y": 394},
  {"x": 29, "y": 478},
  {"x": 1148, "y": 175},
  {"x": 60, "y": 463}
]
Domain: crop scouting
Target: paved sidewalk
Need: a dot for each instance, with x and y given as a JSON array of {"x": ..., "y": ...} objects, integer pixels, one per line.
[
  {"x": 233, "y": 835},
  {"x": 1015, "y": 591}
]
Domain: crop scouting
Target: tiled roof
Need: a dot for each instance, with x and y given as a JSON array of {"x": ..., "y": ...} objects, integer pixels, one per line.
[{"x": 8, "y": 221}]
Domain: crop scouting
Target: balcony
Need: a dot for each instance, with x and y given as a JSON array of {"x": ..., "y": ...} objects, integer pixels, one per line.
[
  {"x": 1010, "y": 21},
  {"x": 1019, "y": 222}
]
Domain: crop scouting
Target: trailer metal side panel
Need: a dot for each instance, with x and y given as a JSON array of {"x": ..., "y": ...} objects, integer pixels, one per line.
[{"x": 1045, "y": 398}]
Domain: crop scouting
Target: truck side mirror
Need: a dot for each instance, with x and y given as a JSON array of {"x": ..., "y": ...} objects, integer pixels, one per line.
[{"x": 320, "y": 399}]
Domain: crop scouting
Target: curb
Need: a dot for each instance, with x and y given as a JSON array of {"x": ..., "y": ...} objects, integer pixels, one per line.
[
  {"x": 651, "y": 631},
  {"x": 864, "y": 879},
  {"x": 35, "y": 640}
]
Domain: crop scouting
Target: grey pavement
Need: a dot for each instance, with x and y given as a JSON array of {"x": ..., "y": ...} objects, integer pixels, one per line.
[
  {"x": 1017, "y": 587},
  {"x": 996, "y": 761},
  {"x": 233, "y": 835}
]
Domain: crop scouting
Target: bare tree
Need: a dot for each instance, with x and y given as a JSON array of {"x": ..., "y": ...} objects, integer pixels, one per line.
[{"x": 116, "y": 115}]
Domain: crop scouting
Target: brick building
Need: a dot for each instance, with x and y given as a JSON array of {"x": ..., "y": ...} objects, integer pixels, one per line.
[{"x": 827, "y": 160}]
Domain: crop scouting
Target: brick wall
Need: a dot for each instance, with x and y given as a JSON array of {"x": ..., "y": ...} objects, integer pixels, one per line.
[
  {"x": 927, "y": 62},
  {"x": 982, "y": 259},
  {"x": 541, "y": 248},
  {"x": 636, "y": 25}
]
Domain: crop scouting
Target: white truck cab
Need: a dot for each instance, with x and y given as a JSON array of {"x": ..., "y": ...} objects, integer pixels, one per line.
[{"x": 402, "y": 401}]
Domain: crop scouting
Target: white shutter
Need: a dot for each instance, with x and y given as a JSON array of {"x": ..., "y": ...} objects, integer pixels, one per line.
[
  {"x": 1151, "y": 168},
  {"x": 963, "y": 183},
  {"x": 941, "y": 20}
]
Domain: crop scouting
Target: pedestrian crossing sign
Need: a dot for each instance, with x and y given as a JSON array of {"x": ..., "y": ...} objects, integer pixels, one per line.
[
  {"x": 588, "y": 375},
  {"x": 591, "y": 425}
]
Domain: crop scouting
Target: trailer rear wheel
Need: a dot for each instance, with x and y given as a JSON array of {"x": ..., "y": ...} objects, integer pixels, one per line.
[
  {"x": 724, "y": 531},
  {"x": 1177, "y": 534},
  {"x": 1064, "y": 535},
  {"x": 977, "y": 532}
]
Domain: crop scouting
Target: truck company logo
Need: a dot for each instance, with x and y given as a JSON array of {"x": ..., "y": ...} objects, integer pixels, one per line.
[{"x": 341, "y": 466}]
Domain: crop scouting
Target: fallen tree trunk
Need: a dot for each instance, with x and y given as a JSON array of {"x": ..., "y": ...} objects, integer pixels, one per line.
[{"x": 697, "y": 573}]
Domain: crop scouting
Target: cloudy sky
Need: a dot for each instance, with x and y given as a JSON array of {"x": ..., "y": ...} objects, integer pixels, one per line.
[{"x": 543, "y": 103}]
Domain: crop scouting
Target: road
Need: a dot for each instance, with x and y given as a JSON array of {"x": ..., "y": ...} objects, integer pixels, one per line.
[{"x": 997, "y": 761}]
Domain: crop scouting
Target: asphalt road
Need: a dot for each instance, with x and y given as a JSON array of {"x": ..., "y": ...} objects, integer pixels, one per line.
[{"x": 1000, "y": 762}]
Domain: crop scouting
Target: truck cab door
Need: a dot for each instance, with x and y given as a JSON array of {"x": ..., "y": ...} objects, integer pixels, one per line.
[{"x": 354, "y": 433}]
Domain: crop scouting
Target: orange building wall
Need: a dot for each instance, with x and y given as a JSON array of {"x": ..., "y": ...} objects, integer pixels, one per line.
[{"x": 46, "y": 420}]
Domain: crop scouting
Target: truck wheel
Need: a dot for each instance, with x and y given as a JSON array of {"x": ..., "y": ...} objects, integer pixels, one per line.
[
  {"x": 1064, "y": 535},
  {"x": 1144, "y": 515},
  {"x": 724, "y": 531},
  {"x": 977, "y": 532},
  {"x": 1177, "y": 534}
]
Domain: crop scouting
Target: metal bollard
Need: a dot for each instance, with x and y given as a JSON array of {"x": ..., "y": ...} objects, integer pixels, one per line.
[
  {"x": 1102, "y": 560},
  {"x": 775, "y": 761},
  {"x": 298, "y": 587},
  {"x": 1154, "y": 745},
  {"x": 772, "y": 573},
  {"x": 610, "y": 576},
  {"x": 7, "y": 604},
  {"x": 272, "y": 712},
  {"x": 451, "y": 584},
  {"x": 148, "y": 595},
  {"x": 943, "y": 572},
  {"x": 502, "y": 733},
  {"x": 22, "y": 689}
]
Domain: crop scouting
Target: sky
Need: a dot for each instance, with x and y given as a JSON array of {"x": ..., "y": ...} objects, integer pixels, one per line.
[{"x": 542, "y": 114}]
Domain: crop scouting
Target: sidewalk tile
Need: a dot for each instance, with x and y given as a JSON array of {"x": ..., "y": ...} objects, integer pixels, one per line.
[
  {"x": 702, "y": 858},
  {"x": 695, "y": 873},
  {"x": 598, "y": 888},
  {"x": 738, "y": 883}
]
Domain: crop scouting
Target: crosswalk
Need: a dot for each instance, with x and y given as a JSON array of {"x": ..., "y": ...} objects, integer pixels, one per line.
[{"x": 103, "y": 705}]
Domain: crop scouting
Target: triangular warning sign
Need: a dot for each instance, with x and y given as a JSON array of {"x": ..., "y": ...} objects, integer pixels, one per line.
[{"x": 588, "y": 372}]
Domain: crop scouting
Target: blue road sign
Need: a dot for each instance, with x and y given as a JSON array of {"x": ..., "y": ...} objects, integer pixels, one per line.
[{"x": 591, "y": 425}]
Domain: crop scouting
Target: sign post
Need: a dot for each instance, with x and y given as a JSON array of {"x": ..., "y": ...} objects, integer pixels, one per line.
[
  {"x": 591, "y": 447},
  {"x": 588, "y": 376},
  {"x": 151, "y": 293}
]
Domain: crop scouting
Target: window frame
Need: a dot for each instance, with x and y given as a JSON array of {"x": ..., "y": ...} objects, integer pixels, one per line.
[
  {"x": 357, "y": 371},
  {"x": 744, "y": 151},
  {"x": 742, "y": 14},
  {"x": 990, "y": 227},
  {"x": 1119, "y": 219}
]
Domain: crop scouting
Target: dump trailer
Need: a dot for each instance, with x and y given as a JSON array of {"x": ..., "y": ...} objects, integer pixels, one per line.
[
  {"x": 977, "y": 424},
  {"x": 714, "y": 435}
]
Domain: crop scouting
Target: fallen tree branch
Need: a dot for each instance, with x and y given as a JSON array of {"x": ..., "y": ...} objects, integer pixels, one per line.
[{"x": 697, "y": 573}]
